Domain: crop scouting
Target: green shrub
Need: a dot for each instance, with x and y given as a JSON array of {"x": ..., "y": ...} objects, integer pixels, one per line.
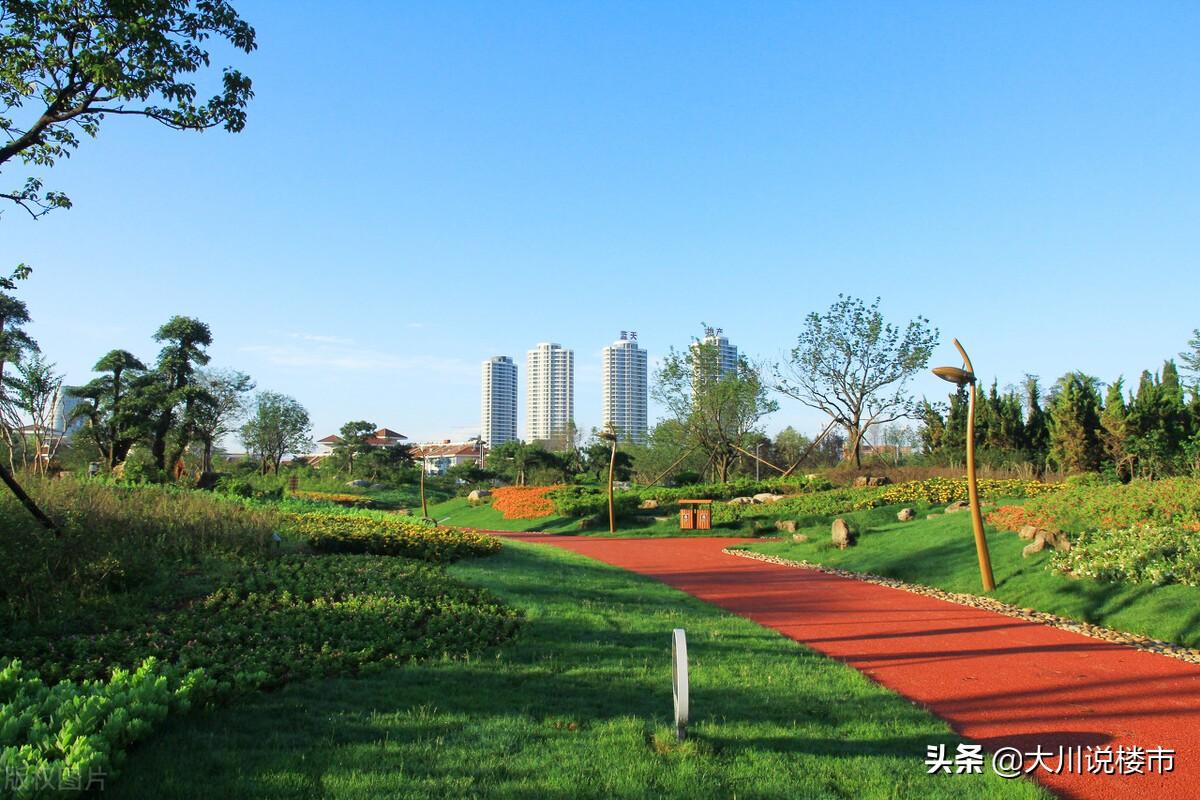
[
  {"x": 1140, "y": 554},
  {"x": 939, "y": 491},
  {"x": 587, "y": 501},
  {"x": 387, "y": 536},
  {"x": 824, "y": 503},
  {"x": 55, "y": 740}
]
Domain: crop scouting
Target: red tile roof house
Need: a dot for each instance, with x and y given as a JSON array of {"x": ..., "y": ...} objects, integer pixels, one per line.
[
  {"x": 439, "y": 457},
  {"x": 384, "y": 437}
]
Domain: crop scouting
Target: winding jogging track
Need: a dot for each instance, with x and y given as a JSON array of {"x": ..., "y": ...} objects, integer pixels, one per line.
[{"x": 997, "y": 680}]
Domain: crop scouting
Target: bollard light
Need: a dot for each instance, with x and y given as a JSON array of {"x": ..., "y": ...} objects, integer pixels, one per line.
[{"x": 679, "y": 681}]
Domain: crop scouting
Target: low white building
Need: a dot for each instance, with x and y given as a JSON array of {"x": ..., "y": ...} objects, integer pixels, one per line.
[{"x": 438, "y": 457}]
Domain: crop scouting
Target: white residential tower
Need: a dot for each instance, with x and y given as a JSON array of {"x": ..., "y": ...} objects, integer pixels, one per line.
[
  {"x": 624, "y": 378},
  {"x": 499, "y": 422},
  {"x": 549, "y": 392}
]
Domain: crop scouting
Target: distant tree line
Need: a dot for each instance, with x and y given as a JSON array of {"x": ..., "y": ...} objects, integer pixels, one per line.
[{"x": 1079, "y": 425}]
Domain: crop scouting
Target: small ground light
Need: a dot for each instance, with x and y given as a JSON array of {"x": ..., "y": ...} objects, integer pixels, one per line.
[{"x": 679, "y": 681}]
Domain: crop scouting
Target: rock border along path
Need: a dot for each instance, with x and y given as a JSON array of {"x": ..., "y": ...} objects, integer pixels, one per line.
[
  {"x": 1188, "y": 654},
  {"x": 998, "y": 679}
]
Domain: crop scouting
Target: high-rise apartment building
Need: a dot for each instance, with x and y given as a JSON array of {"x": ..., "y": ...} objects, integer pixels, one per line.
[
  {"x": 499, "y": 418},
  {"x": 549, "y": 392},
  {"x": 624, "y": 380},
  {"x": 723, "y": 354}
]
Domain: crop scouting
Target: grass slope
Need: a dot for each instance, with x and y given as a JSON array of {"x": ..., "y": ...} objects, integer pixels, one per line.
[
  {"x": 578, "y": 706},
  {"x": 940, "y": 552},
  {"x": 460, "y": 512}
]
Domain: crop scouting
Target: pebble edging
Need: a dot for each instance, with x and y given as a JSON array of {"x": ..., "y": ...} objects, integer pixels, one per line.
[{"x": 1145, "y": 643}]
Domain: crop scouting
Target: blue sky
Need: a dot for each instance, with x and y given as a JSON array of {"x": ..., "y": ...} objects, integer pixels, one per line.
[{"x": 421, "y": 186}]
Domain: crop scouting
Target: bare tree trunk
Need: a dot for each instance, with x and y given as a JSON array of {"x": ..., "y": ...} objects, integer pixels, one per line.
[{"x": 28, "y": 502}]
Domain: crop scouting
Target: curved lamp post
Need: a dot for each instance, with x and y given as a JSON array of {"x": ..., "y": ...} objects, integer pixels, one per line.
[
  {"x": 963, "y": 377},
  {"x": 612, "y": 467}
]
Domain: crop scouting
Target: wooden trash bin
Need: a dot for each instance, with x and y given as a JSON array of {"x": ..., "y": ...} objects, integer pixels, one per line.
[{"x": 695, "y": 515}]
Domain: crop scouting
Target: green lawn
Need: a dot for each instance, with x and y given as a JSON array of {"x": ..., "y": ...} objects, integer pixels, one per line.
[
  {"x": 459, "y": 512},
  {"x": 940, "y": 552},
  {"x": 578, "y": 706}
]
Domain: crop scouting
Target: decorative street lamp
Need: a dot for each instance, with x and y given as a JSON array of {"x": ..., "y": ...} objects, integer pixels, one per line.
[
  {"x": 612, "y": 466},
  {"x": 963, "y": 377}
]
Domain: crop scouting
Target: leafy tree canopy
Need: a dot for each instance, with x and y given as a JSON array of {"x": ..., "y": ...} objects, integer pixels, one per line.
[{"x": 67, "y": 64}]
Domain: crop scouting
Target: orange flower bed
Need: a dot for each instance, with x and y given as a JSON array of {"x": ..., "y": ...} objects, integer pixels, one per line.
[
  {"x": 1013, "y": 518},
  {"x": 523, "y": 502}
]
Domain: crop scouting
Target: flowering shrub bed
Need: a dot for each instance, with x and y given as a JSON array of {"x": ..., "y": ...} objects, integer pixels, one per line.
[
  {"x": 1139, "y": 554},
  {"x": 524, "y": 502},
  {"x": 1013, "y": 518},
  {"x": 388, "y": 536},
  {"x": 354, "y": 500},
  {"x": 939, "y": 491},
  {"x": 292, "y": 617},
  {"x": 1088, "y": 505},
  {"x": 55, "y": 741}
]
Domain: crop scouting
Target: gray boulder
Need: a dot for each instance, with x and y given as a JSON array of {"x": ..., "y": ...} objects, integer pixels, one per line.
[
  {"x": 906, "y": 515},
  {"x": 843, "y": 537},
  {"x": 360, "y": 483},
  {"x": 956, "y": 506},
  {"x": 785, "y": 525}
]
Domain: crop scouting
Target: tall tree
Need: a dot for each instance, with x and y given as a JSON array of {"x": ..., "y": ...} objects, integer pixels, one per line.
[
  {"x": 1075, "y": 424},
  {"x": 115, "y": 419},
  {"x": 854, "y": 366},
  {"x": 717, "y": 414},
  {"x": 1190, "y": 358},
  {"x": 221, "y": 404},
  {"x": 184, "y": 341},
  {"x": 278, "y": 425},
  {"x": 1037, "y": 424},
  {"x": 354, "y": 437},
  {"x": 35, "y": 391},
  {"x": 1114, "y": 430},
  {"x": 65, "y": 66}
]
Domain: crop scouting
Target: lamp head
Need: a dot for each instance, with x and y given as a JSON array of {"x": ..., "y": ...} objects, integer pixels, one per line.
[{"x": 955, "y": 375}]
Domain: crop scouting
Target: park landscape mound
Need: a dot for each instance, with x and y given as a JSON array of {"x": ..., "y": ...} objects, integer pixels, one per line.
[{"x": 155, "y": 599}]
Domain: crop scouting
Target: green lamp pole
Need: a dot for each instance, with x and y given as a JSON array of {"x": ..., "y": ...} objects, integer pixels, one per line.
[{"x": 963, "y": 377}]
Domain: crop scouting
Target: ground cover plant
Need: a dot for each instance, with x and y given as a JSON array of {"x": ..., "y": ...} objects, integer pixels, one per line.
[
  {"x": 58, "y": 739},
  {"x": 578, "y": 705},
  {"x": 290, "y": 617},
  {"x": 940, "y": 552},
  {"x": 172, "y": 597}
]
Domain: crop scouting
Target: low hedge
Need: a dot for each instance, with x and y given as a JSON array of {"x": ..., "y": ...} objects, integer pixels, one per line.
[
  {"x": 388, "y": 536},
  {"x": 588, "y": 501}
]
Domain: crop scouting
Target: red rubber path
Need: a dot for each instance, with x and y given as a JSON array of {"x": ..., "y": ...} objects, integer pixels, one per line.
[{"x": 997, "y": 680}]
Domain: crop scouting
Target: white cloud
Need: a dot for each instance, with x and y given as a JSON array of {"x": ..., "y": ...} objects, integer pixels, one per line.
[
  {"x": 339, "y": 355},
  {"x": 322, "y": 339}
]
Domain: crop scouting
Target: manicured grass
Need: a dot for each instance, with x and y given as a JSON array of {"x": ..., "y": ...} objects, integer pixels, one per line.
[
  {"x": 459, "y": 512},
  {"x": 578, "y": 706},
  {"x": 940, "y": 552}
]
